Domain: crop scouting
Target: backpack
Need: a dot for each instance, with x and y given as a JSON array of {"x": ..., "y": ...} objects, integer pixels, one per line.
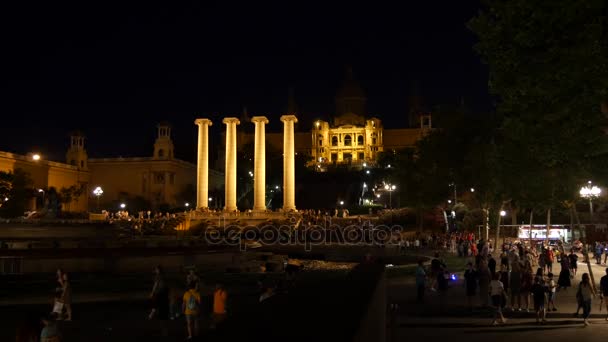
[{"x": 192, "y": 304}]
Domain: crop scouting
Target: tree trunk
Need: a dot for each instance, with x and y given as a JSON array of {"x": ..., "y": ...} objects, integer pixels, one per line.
[
  {"x": 514, "y": 216},
  {"x": 548, "y": 226},
  {"x": 486, "y": 225},
  {"x": 498, "y": 226},
  {"x": 530, "y": 230}
]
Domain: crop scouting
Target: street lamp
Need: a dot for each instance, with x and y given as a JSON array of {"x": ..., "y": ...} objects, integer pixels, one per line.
[
  {"x": 503, "y": 213},
  {"x": 98, "y": 192},
  {"x": 122, "y": 205},
  {"x": 187, "y": 204},
  {"x": 455, "y": 198},
  {"x": 590, "y": 192},
  {"x": 390, "y": 188},
  {"x": 43, "y": 193},
  {"x": 341, "y": 202},
  {"x": 472, "y": 189},
  {"x": 36, "y": 157}
]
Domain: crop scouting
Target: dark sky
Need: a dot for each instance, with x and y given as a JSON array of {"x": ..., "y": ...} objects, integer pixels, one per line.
[{"x": 113, "y": 70}]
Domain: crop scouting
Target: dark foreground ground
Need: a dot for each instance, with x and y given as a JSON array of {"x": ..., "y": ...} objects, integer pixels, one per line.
[{"x": 121, "y": 315}]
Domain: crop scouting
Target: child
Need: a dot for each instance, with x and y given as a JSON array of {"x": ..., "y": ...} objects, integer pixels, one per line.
[
  {"x": 58, "y": 304},
  {"x": 191, "y": 307},
  {"x": 552, "y": 289},
  {"x": 50, "y": 332},
  {"x": 538, "y": 293}
]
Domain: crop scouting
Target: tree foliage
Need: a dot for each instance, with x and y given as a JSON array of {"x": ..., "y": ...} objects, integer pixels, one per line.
[{"x": 548, "y": 67}]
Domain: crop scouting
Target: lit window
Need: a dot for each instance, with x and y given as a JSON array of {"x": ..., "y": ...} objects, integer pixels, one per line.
[{"x": 347, "y": 140}]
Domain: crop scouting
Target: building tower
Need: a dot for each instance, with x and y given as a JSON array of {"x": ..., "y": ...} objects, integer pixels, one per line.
[
  {"x": 77, "y": 155},
  {"x": 350, "y": 102},
  {"x": 163, "y": 146}
]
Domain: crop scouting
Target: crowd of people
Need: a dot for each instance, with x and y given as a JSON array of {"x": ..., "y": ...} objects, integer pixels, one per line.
[{"x": 519, "y": 273}]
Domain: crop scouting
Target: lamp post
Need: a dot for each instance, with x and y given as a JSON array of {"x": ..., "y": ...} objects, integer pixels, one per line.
[
  {"x": 390, "y": 188},
  {"x": 98, "y": 192},
  {"x": 455, "y": 198},
  {"x": 590, "y": 192},
  {"x": 43, "y": 193}
]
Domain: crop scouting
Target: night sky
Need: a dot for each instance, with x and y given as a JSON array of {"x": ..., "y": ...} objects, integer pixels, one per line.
[{"x": 114, "y": 70}]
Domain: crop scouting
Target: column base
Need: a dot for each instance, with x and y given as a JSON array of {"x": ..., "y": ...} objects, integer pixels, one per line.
[
  {"x": 230, "y": 209},
  {"x": 289, "y": 209}
]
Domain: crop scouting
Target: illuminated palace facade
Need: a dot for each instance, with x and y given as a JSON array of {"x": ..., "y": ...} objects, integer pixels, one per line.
[
  {"x": 355, "y": 140},
  {"x": 352, "y": 138}
]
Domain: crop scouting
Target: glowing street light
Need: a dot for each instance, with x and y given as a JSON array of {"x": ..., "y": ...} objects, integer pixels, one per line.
[
  {"x": 43, "y": 193},
  {"x": 503, "y": 213},
  {"x": 390, "y": 188},
  {"x": 122, "y": 205},
  {"x": 590, "y": 192},
  {"x": 472, "y": 189},
  {"x": 187, "y": 204},
  {"x": 36, "y": 157},
  {"x": 341, "y": 202},
  {"x": 449, "y": 201},
  {"x": 98, "y": 192}
]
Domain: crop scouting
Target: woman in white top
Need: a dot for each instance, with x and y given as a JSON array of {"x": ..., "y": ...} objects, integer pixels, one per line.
[
  {"x": 585, "y": 292},
  {"x": 497, "y": 293}
]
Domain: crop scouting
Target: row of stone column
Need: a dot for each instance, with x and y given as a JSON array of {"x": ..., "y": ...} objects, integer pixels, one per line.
[{"x": 259, "y": 168}]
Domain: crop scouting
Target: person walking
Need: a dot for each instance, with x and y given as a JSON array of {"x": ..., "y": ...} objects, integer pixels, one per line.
[
  {"x": 526, "y": 286},
  {"x": 573, "y": 263},
  {"x": 550, "y": 259},
  {"x": 470, "y": 284},
  {"x": 66, "y": 296},
  {"x": 539, "y": 295},
  {"x": 563, "y": 282},
  {"x": 604, "y": 292},
  {"x": 497, "y": 293},
  {"x": 484, "y": 278},
  {"x": 420, "y": 281},
  {"x": 515, "y": 282},
  {"x": 586, "y": 291},
  {"x": 491, "y": 264},
  {"x": 50, "y": 332},
  {"x": 191, "y": 304},
  {"x": 220, "y": 297},
  {"x": 551, "y": 288},
  {"x": 160, "y": 300}
]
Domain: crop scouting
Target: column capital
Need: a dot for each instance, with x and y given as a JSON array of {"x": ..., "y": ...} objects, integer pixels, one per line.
[
  {"x": 202, "y": 121},
  {"x": 231, "y": 120},
  {"x": 261, "y": 119},
  {"x": 288, "y": 118}
]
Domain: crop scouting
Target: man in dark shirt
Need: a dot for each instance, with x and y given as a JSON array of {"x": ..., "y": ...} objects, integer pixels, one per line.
[
  {"x": 492, "y": 265},
  {"x": 604, "y": 291}
]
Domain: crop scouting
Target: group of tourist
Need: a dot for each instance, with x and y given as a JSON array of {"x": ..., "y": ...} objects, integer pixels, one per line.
[
  {"x": 512, "y": 275},
  {"x": 601, "y": 249},
  {"x": 61, "y": 310}
]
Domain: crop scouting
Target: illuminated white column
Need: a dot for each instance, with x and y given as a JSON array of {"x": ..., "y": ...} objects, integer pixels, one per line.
[
  {"x": 259, "y": 164},
  {"x": 289, "y": 170},
  {"x": 230, "y": 182},
  {"x": 202, "y": 168}
]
